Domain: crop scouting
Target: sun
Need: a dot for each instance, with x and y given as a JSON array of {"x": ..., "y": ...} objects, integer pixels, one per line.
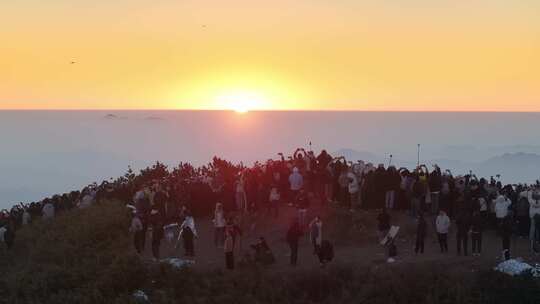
[{"x": 241, "y": 101}]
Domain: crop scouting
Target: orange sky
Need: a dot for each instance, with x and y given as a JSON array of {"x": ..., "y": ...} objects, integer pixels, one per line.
[{"x": 318, "y": 54}]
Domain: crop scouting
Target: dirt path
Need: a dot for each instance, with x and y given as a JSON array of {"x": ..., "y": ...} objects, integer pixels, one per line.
[{"x": 360, "y": 245}]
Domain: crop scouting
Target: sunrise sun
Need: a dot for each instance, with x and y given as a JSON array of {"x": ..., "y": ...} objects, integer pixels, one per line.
[{"x": 242, "y": 101}]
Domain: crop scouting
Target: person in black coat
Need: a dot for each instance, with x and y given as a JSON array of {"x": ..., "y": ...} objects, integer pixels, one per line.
[
  {"x": 463, "y": 224},
  {"x": 506, "y": 234},
  {"x": 293, "y": 235},
  {"x": 420, "y": 234},
  {"x": 477, "y": 223}
]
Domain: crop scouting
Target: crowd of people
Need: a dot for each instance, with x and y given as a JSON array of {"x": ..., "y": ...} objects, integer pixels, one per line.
[{"x": 163, "y": 200}]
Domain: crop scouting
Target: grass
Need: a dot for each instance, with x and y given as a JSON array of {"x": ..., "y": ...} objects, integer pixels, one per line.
[{"x": 343, "y": 284}]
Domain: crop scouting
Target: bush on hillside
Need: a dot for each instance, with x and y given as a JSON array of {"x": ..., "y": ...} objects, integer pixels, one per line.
[{"x": 82, "y": 256}]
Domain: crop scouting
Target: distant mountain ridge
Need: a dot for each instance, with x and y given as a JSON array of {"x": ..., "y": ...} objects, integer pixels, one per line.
[{"x": 513, "y": 167}]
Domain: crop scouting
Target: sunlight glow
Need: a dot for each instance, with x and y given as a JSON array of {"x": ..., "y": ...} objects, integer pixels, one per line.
[{"x": 242, "y": 101}]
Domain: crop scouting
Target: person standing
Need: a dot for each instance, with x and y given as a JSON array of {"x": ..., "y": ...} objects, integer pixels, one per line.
[
  {"x": 7, "y": 234},
  {"x": 418, "y": 196},
  {"x": 506, "y": 234},
  {"x": 302, "y": 203},
  {"x": 522, "y": 215},
  {"x": 316, "y": 234},
  {"x": 26, "y": 217},
  {"x": 534, "y": 214},
  {"x": 354, "y": 190},
  {"x": 501, "y": 208},
  {"x": 477, "y": 224},
  {"x": 240, "y": 194},
  {"x": 48, "y": 210},
  {"x": 393, "y": 185},
  {"x": 157, "y": 219},
  {"x": 136, "y": 228},
  {"x": 296, "y": 182},
  {"x": 229, "y": 249},
  {"x": 236, "y": 233},
  {"x": 323, "y": 160},
  {"x": 343, "y": 192},
  {"x": 293, "y": 235},
  {"x": 219, "y": 225},
  {"x": 188, "y": 233},
  {"x": 463, "y": 228},
  {"x": 143, "y": 208},
  {"x": 420, "y": 234},
  {"x": 442, "y": 224},
  {"x": 273, "y": 199}
]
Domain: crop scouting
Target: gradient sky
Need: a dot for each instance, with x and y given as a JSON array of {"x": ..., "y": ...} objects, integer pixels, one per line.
[{"x": 481, "y": 55}]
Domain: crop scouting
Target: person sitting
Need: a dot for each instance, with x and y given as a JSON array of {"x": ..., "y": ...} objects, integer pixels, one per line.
[
  {"x": 326, "y": 253},
  {"x": 263, "y": 254}
]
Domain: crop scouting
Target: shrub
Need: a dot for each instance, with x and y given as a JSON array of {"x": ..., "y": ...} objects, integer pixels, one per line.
[{"x": 82, "y": 256}]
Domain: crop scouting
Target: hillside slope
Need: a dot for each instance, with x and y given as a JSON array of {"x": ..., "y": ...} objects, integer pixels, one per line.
[{"x": 85, "y": 256}]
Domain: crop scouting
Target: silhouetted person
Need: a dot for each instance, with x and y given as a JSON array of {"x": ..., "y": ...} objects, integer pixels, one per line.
[
  {"x": 420, "y": 234},
  {"x": 477, "y": 223},
  {"x": 293, "y": 235},
  {"x": 463, "y": 224}
]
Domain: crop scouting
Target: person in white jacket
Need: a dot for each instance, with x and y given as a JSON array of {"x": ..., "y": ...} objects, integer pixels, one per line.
[
  {"x": 354, "y": 190},
  {"x": 48, "y": 211},
  {"x": 26, "y": 217},
  {"x": 442, "y": 224},
  {"x": 501, "y": 204}
]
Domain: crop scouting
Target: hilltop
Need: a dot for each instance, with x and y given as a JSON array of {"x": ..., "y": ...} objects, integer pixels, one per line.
[{"x": 85, "y": 256}]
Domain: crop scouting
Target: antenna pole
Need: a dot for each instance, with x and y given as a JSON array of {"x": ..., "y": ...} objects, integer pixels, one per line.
[{"x": 418, "y": 161}]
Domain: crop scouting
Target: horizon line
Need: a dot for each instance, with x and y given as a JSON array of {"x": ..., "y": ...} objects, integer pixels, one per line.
[{"x": 262, "y": 110}]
